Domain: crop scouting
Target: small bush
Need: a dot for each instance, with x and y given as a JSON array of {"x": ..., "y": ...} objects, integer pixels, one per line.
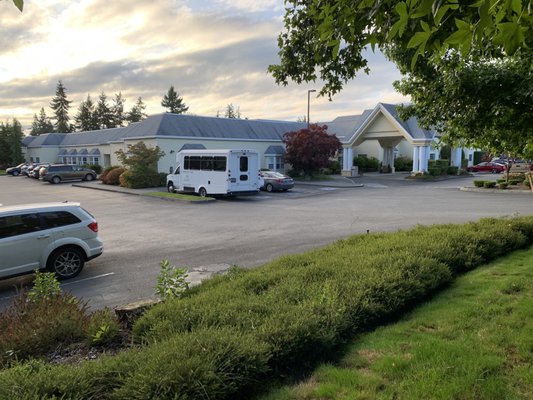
[
  {"x": 403, "y": 164},
  {"x": 503, "y": 185},
  {"x": 526, "y": 183},
  {"x": 335, "y": 167},
  {"x": 113, "y": 176},
  {"x": 103, "y": 328},
  {"x": 478, "y": 183},
  {"x": 45, "y": 286},
  {"x": 514, "y": 181},
  {"x": 171, "y": 281},
  {"x": 95, "y": 167},
  {"x": 502, "y": 180},
  {"x": 139, "y": 179},
  {"x": 435, "y": 171},
  {"x": 366, "y": 164},
  {"x": 489, "y": 184},
  {"x": 162, "y": 179},
  {"x": 452, "y": 170},
  {"x": 106, "y": 170}
]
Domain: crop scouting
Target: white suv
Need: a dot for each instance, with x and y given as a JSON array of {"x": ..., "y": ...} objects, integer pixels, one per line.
[{"x": 59, "y": 237}]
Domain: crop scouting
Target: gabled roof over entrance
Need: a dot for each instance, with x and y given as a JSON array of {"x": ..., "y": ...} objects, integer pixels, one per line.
[{"x": 382, "y": 122}]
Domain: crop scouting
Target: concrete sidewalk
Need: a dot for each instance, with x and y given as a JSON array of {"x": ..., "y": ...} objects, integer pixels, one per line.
[{"x": 98, "y": 185}]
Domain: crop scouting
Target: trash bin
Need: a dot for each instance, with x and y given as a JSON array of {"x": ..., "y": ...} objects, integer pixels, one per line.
[{"x": 355, "y": 170}]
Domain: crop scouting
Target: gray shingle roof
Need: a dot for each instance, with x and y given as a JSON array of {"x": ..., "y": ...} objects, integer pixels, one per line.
[
  {"x": 48, "y": 139},
  {"x": 411, "y": 125},
  {"x": 192, "y": 146},
  {"x": 275, "y": 150}
]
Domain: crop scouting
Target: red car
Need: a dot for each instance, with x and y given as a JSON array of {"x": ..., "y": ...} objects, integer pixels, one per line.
[{"x": 493, "y": 167}]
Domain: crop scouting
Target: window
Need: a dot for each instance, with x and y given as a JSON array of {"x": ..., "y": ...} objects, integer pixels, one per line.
[
  {"x": 38, "y": 159},
  {"x": 96, "y": 161},
  {"x": 84, "y": 160},
  {"x": 14, "y": 225},
  {"x": 432, "y": 156},
  {"x": 59, "y": 218},
  {"x": 192, "y": 162},
  {"x": 275, "y": 163},
  {"x": 207, "y": 163},
  {"x": 219, "y": 163},
  {"x": 243, "y": 164}
]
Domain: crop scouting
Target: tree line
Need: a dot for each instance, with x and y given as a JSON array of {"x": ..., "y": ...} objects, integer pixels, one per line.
[{"x": 100, "y": 114}]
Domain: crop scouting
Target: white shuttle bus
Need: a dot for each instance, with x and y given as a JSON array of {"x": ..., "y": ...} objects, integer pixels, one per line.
[{"x": 216, "y": 172}]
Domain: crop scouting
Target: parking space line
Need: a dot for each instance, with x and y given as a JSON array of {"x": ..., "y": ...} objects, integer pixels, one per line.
[{"x": 88, "y": 279}]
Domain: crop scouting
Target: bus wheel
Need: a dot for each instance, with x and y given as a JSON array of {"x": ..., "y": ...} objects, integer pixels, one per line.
[
  {"x": 170, "y": 188},
  {"x": 202, "y": 192}
]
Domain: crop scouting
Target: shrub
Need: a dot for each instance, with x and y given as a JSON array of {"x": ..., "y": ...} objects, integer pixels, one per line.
[
  {"x": 366, "y": 164},
  {"x": 113, "y": 176},
  {"x": 240, "y": 329},
  {"x": 139, "y": 179},
  {"x": 162, "y": 179},
  {"x": 403, "y": 164},
  {"x": 95, "y": 167},
  {"x": 489, "y": 184},
  {"x": 106, "y": 170},
  {"x": 171, "y": 281},
  {"x": 503, "y": 185},
  {"x": 335, "y": 167},
  {"x": 435, "y": 171},
  {"x": 102, "y": 328},
  {"x": 29, "y": 329},
  {"x": 452, "y": 170},
  {"x": 515, "y": 181},
  {"x": 526, "y": 183},
  {"x": 478, "y": 183}
]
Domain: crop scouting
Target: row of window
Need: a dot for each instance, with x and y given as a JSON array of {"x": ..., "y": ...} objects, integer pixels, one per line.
[
  {"x": 205, "y": 163},
  {"x": 14, "y": 225},
  {"x": 72, "y": 160}
]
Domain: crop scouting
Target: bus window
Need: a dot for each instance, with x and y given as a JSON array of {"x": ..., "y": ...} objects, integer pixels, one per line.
[
  {"x": 207, "y": 163},
  {"x": 195, "y": 162},
  {"x": 219, "y": 163}
]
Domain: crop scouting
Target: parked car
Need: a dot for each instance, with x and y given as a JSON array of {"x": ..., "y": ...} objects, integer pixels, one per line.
[
  {"x": 36, "y": 172},
  {"x": 487, "y": 167},
  {"x": 59, "y": 237},
  {"x": 15, "y": 171},
  {"x": 28, "y": 169},
  {"x": 56, "y": 173},
  {"x": 274, "y": 181}
]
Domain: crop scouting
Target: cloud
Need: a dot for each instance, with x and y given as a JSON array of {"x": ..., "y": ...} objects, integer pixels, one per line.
[{"x": 213, "y": 52}]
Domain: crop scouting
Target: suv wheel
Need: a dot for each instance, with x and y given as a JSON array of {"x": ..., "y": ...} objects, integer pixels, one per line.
[
  {"x": 15, "y": 173},
  {"x": 56, "y": 179},
  {"x": 66, "y": 262},
  {"x": 89, "y": 177}
]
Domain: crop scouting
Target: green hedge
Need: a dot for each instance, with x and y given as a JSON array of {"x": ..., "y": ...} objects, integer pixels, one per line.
[{"x": 250, "y": 326}]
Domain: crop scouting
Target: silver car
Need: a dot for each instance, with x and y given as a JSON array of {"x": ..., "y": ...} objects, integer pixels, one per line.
[
  {"x": 276, "y": 181},
  {"x": 59, "y": 237}
]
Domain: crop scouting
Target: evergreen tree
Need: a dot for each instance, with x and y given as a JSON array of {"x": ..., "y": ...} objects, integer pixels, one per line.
[
  {"x": 60, "y": 105},
  {"x": 11, "y": 143},
  {"x": 104, "y": 114},
  {"x": 86, "y": 117},
  {"x": 41, "y": 124},
  {"x": 119, "y": 117},
  {"x": 232, "y": 112},
  {"x": 137, "y": 113},
  {"x": 173, "y": 102}
]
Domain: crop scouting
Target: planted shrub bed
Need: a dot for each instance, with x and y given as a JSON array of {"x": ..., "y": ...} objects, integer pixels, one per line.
[{"x": 236, "y": 330}]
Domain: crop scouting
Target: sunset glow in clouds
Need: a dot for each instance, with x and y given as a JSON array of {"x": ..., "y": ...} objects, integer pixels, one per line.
[{"x": 213, "y": 52}]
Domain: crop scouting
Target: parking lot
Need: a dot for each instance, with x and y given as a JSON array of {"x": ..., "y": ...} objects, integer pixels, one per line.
[{"x": 139, "y": 232}]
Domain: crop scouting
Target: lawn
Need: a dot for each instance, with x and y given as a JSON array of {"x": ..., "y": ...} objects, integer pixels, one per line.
[
  {"x": 178, "y": 196},
  {"x": 472, "y": 341}
]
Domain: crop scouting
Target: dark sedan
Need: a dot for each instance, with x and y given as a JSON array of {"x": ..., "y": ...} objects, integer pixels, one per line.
[
  {"x": 487, "y": 167},
  {"x": 276, "y": 181},
  {"x": 15, "y": 171}
]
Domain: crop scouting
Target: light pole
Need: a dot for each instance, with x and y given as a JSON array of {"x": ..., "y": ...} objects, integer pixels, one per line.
[{"x": 309, "y": 104}]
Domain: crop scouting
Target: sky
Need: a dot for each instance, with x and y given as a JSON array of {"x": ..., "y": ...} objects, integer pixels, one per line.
[{"x": 214, "y": 53}]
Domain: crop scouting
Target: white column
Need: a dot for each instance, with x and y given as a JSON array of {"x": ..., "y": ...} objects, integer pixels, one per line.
[
  {"x": 423, "y": 158},
  {"x": 416, "y": 167},
  {"x": 344, "y": 159},
  {"x": 350, "y": 158},
  {"x": 456, "y": 157}
]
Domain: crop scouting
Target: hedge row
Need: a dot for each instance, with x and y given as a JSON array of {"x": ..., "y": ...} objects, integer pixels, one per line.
[{"x": 250, "y": 326}]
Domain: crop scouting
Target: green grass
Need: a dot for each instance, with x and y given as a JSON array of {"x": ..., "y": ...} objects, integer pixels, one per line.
[
  {"x": 316, "y": 177},
  {"x": 2, "y": 171},
  {"x": 178, "y": 196},
  {"x": 472, "y": 341}
]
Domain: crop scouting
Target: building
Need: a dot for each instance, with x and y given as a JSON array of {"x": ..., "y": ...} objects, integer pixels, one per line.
[{"x": 378, "y": 132}]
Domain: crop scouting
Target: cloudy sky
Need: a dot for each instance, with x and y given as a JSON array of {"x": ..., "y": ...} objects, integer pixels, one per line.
[{"x": 214, "y": 52}]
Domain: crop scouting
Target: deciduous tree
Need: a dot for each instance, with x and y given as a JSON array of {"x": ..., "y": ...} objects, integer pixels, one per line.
[{"x": 311, "y": 148}]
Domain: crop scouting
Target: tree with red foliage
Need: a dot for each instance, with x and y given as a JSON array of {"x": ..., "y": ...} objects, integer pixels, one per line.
[{"x": 309, "y": 149}]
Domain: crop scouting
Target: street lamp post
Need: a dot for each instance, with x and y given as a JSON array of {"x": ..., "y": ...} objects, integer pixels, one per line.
[{"x": 309, "y": 104}]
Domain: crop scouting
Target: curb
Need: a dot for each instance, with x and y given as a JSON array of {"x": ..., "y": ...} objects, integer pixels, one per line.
[
  {"x": 503, "y": 191},
  {"x": 130, "y": 192}
]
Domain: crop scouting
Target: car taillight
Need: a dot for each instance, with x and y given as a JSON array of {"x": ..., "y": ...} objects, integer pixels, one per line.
[{"x": 93, "y": 226}]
